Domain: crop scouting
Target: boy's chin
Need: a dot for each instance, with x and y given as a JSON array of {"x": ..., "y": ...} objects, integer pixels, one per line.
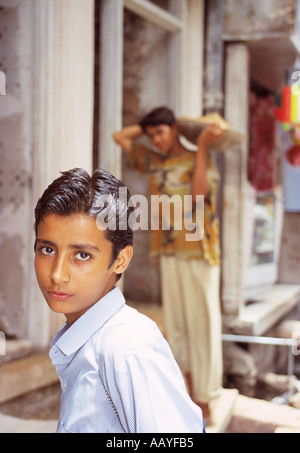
[{"x": 57, "y": 307}]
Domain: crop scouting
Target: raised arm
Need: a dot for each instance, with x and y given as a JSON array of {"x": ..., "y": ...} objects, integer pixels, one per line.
[
  {"x": 125, "y": 136},
  {"x": 212, "y": 134}
]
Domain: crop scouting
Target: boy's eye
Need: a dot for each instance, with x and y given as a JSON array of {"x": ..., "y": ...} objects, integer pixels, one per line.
[
  {"x": 81, "y": 256},
  {"x": 47, "y": 251}
]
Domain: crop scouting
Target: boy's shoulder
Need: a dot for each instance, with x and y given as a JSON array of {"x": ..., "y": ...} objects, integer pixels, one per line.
[{"x": 128, "y": 332}]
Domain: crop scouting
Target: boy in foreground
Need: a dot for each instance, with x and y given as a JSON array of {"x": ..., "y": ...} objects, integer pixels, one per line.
[{"x": 117, "y": 372}]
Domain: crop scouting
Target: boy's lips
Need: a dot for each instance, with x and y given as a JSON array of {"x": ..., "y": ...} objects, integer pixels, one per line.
[{"x": 59, "y": 295}]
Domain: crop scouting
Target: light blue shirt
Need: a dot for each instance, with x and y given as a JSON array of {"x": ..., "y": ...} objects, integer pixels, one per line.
[{"x": 118, "y": 374}]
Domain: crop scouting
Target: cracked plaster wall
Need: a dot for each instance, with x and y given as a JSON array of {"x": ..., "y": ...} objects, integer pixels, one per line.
[
  {"x": 258, "y": 17},
  {"x": 145, "y": 87},
  {"x": 16, "y": 167}
]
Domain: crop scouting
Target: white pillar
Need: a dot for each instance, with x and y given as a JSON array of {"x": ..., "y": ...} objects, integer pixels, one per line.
[
  {"x": 186, "y": 58},
  {"x": 63, "y": 49},
  {"x": 111, "y": 81},
  {"x": 235, "y": 176}
]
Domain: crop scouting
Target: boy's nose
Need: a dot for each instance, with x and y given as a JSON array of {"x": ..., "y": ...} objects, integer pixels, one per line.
[{"x": 60, "y": 271}]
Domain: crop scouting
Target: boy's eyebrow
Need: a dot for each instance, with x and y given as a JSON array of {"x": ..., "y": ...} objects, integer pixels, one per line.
[
  {"x": 84, "y": 247},
  {"x": 71, "y": 246},
  {"x": 45, "y": 242}
]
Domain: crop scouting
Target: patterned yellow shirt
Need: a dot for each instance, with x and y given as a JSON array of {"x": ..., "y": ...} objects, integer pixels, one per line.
[{"x": 172, "y": 175}]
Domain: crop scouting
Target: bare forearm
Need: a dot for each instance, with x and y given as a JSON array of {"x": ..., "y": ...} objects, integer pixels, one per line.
[
  {"x": 125, "y": 136},
  {"x": 212, "y": 134},
  {"x": 199, "y": 181}
]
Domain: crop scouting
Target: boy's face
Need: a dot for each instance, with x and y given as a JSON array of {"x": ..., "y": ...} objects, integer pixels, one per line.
[
  {"x": 72, "y": 259},
  {"x": 162, "y": 136}
]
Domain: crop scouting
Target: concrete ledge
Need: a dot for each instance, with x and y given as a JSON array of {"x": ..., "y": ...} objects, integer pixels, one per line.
[
  {"x": 14, "y": 425},
  {"x": 15, "y": 349},
  {"x": 268, "y": 308},
  {"x": 26, "y": 375},
  {"x": 285, "y": 430},
  {"x": 251, "y": 415},
  {"x": 222, "y": 409}
]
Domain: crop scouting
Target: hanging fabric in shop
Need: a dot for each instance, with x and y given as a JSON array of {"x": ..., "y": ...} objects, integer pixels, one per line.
[
  {"x": 262, "y": 168},
  {"x": 289, "y": 116},
  {"x": 291, "y": 173}
]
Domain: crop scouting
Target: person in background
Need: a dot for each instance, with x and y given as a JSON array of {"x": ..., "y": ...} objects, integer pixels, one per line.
[{"x": 190, "y": 269}]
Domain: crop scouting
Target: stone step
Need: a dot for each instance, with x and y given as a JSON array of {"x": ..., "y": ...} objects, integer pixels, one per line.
[
  {"x": 287, "y": 430},
  {"x": 25, "y": 375},
  {"x": 15, "y": 425},
  {"x": 222, "y": 409},
  {"x": 251, "y": 415}
]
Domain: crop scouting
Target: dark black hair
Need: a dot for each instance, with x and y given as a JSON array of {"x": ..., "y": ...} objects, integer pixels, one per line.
[
  {"x": 76, "y": 192},
  {"x": 158, "y": 116}
]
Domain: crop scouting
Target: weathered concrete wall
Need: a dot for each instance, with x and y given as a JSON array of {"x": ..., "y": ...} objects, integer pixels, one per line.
[
  {"x": 47, "y": 55},
  {"x": 145, "y": 83},
  {"x": 289, "y": 268},
  {"x": 16, "y": 166},
  {"x": 267, "y": 26},
  {"x": 244, "y": 17}
]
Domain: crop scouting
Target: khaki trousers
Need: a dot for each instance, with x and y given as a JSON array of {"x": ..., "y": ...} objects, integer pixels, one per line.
[{"x": 191, "y": 304}]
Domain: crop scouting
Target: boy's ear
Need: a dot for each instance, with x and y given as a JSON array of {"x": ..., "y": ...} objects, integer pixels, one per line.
[
  {"x": 123, "y": 260},
  {"x": 175, "y": 127}
]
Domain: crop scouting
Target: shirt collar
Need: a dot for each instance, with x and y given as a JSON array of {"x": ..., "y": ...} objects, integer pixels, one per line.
[{"x": 70, "y": 339}]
